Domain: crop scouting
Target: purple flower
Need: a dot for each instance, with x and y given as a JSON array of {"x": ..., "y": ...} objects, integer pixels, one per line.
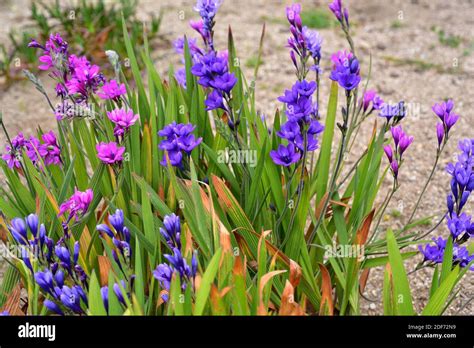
[
  {"x": 71, "y": 298},
  {"x": 63, "y": 255},
  {"x": 55, "y": 52},
  {"x": 313, "y": 42},
  {"x": 445, "y": 113},
  {"x": 207, "y": 9},
  {"x": 19, "y": 231},
  {"x": 371, "y": 98},
  {"x": 53, "y": 307},
  {"x": 77, "y": 204},
  {"x": 112, "y": 90},
  {"x": 289, "y": 130},
  {"x": 179, "y": 139},
  {"x": 214, "y": 101},
  {"x": 388, "y": 152},
  {"x": 285, "y": 155},
  {"x": 164, "y": 273},
  {"x": 104, "y": 293},
  {"x": 12, "y": 157},
  {"x": 345, "y": 70},
  {"x": 341, "y": 14},
  {"x": 457, "y": 225},
  {"x": 440, "y": 133},
  {"x": 85, "y": 80},
  {"x": 110, "y": 153},
  {"x": 298, "y": 100},
  {"x": 180, "y": 76},
  {"x": 50, "y": 150},
  {"x": 172, "y": 231},
  {"x": 45, "y": 281},
  {"x": 396, "y": 111},
  {"x": 224, "y": 82},
  {"x": 123, "y": 120},
  {"x": 434, "y": 253}
]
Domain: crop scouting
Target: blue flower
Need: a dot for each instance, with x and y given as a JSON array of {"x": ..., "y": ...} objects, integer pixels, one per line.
[{"x": 172, "y": 231}]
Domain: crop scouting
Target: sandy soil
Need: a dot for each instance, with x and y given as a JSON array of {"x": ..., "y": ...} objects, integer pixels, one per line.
[{"x": 408, "y": 63}]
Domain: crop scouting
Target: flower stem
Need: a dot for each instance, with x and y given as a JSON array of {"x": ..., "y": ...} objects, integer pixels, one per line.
[{"x": 438, "y": 154}]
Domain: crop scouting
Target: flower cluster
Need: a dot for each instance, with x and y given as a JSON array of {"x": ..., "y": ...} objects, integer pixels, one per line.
[
  {"x": 448, "y": 119},
  {"x": 172, "y": 231},
  {"x": 47, "y": 150},
  {"x": 462, "y": 184},
  {"x": 302, "y": 128},
  {"x": 120, "y": 236},
  {"x": 459, "y": 223},
  {"x": 212, "y": 69},
  {"x": 345, "y": 70},
  {"x": 32, "y": 238},
  {"x": 402, "y": 141},
  {"x": 76, "y": 77},
  {"x": 303, "y": 42},
  {"x": 77, "y": 204},
  {"x": 59, "y": 264},
  {"x": 177, "y": 264},
  {"x": 207, "y": 9},
  {"x": 179, "y": 139},
  {"x": 341, "y": 13}
]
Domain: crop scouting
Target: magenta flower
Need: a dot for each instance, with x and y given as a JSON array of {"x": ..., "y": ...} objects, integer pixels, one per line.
[
  {"x": 123, "y": 120},
  {"x": 50, "y": 150},
  {"x": 110, "y": 153},
  {"x": 12, "y": 157},
  {"x": 112, "y": 90},
  {"x": 77, "y": 204}
]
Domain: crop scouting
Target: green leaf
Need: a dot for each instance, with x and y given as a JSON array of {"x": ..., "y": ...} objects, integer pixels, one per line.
[
  {"x": 207, "y": 279},
  {"x": 401, "y": 287},
  {"x": 436, "y": 303},
  {"x": 324, "y": 160},
  {"x": 96, "y": 305}
]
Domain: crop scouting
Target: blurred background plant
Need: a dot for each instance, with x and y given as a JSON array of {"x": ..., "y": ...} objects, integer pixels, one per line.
[{"x": 90, "y": 27}]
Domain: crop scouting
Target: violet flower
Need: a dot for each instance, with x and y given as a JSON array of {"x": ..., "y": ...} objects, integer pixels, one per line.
[
  {"x": 77, "y": 204},
  {"x": 285, "y": 155},
  {"x": 110, "y": 153},
  {"x": 345, "y": 70},
  {"x": 371, "y": 98},
  {"x": 123, "y": 120},
  {"x": 179, "y": 139},
  {"x": 172, "y": 231},
  {"x": 448, "y": 119}
]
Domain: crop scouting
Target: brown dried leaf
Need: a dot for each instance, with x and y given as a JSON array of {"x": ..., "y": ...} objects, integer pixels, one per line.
[
  {"x": 295, "y": 273},
  {"x": 263, "y": 281},
  {"x": 327, "y": 306},
  {"x": 12, "y": 304},
  {"x": 363, "y": 232},
  {"x": 288, "y": 305},
  {"x": 104, "y": 268}
]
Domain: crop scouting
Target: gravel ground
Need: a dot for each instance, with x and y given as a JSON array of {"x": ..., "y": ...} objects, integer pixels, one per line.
[{"x": 409, "y": 62}]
